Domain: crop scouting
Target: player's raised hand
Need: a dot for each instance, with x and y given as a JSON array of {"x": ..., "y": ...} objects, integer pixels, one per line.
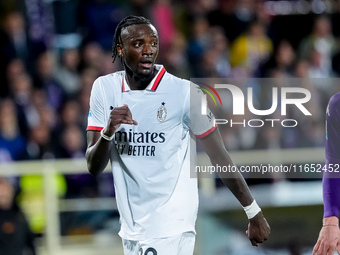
[
  {"x": 258, "y": 229},
  {"x": 118, "y": 116},
  {"x": 329, "y": 238}
]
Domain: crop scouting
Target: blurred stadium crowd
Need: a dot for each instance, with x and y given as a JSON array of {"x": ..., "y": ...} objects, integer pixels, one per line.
[{"x": 51, "y": 51}]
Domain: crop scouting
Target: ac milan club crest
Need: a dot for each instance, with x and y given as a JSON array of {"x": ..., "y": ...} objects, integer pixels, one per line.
[{"x": 161, "y": 113}]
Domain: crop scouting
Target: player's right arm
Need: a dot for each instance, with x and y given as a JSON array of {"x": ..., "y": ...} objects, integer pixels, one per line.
[
  {"x": 98, "y": 148},
  {"x": 97, "y": 152}
]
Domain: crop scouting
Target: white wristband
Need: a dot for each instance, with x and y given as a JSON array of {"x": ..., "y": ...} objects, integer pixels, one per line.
[
  {"x": 107, "y": 138},
  {"x": 252, "y": 209}
]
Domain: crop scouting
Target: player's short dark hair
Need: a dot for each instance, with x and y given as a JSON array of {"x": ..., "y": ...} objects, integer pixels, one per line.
[{"x": 126, "y": 22}]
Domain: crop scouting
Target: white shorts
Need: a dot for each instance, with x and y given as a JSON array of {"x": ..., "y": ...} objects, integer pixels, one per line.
[{"x": 182, "y": 244}]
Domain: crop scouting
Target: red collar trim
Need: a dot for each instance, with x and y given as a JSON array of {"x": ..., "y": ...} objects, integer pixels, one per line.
[
  {"x": 157, "y": 81},
  {"x": 158, "y": 78}
]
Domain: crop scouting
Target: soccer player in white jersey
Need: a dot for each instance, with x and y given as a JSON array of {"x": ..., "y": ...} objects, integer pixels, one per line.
[{"x": 141, "y": 120}]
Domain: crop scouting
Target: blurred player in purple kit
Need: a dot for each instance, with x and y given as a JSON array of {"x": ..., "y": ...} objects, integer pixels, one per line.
[
  {"x": 141, "y": 119},
  {"x": 329, "y": 237}
]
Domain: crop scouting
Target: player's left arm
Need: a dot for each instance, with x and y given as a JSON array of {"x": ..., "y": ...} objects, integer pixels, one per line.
[
  {"x": 258, "y": 228},
  {"x": 329, "y": 236}
]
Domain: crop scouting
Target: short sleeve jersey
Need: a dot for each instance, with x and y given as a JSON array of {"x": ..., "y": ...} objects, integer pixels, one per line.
[
  {"x": 151, "y": 161},
  {"x": 333, "y": 129},
  {"x": 331, "y": 179}
]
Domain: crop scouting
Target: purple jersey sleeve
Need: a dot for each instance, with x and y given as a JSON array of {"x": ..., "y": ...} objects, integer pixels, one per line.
[{"x": 331, "y": 180}]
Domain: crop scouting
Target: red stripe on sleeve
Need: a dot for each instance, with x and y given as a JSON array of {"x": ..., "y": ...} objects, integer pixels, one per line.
[
  {"x": 207, "y": 132},
  {"x": 93, "y": 128}
]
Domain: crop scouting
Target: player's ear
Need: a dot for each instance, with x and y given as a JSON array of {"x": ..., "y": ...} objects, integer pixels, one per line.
[{"x": 120, "y": 50}]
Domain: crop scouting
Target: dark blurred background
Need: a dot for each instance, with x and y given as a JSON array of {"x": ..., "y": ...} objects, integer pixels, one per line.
[{"x": 51, "y": 51}]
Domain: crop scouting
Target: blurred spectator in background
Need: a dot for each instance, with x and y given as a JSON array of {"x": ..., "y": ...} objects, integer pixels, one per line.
[
  {"x": 99, "y": 19},
  {"x": 68, "y": 136},
  {"x": 233, "y": 16},
  {"x": 16, "y": 238},
  {"x": 15, "y": 68},
  {"x": 45, "y": 79},
  {"x": 317, "y": 67},
  {"x": 301, "y": 69},
  {"x": 92, "y": 54},
  {"x": 175, "y": 58},
  {"x": 70, "y": 115},
  {"x": 47, "y": 115},
  {"x": 215, "y": 60},
  {"x": 66, "y": 24},
  {"x": 18, "y": 44},
  {"x": 282, "y": 59},
  {"x": 67, "y": 73},
  {"x": 17, "y": 37},
  {"x": 40, "y": 144},
  {"x": 319, "y": 47},
  {"x": 72, "y": 143},
  {"x": 12, "y": 143},
  {"x": 21, "y": 89},
  {"x": 198, "y": 43},
  {"x": 249, "y": 50}
]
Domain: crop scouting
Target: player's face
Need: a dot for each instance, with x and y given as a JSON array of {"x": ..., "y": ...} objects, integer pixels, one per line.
[{"x": 139, "y": 49}]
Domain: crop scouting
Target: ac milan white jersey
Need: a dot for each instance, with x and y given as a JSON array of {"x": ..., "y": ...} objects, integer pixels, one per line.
[{"x": 151, "y": 161}]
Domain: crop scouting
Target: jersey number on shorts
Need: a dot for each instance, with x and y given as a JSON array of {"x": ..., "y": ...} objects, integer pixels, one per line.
[{"x": 149, "y": 251}]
